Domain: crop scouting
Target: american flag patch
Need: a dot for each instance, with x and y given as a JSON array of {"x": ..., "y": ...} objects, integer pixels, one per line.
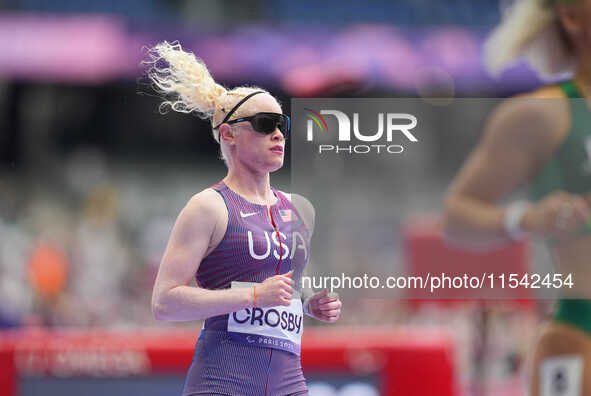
[{"x": 285, "y": 215}]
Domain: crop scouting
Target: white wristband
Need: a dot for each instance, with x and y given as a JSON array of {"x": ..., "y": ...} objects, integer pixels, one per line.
[{"x": 512, "y": 219}]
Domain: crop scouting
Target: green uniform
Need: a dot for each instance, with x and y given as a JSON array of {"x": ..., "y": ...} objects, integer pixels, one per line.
[{"x": 569, "y": 170}]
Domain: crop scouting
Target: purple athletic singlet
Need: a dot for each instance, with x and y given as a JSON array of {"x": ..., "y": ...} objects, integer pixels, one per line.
[{"x": 227, "y": 359}]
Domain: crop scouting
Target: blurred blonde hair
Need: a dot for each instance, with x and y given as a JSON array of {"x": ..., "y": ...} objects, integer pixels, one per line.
[
  {"x": 188, "y": 87},
  {"x": 530, "y": 30}
]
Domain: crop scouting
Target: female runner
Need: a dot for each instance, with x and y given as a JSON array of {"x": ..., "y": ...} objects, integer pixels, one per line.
[
  {"x": 544, "y": 138},
  {"x": 244, "y": 241}
]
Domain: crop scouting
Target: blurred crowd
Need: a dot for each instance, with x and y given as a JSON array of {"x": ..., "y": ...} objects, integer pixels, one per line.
[{"x": 83, "y": 247}]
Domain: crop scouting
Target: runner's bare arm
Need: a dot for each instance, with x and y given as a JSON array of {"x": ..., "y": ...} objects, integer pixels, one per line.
[
  {"x": 305, "y": 209},
  {"x": 321, "y": 305},
  {"x": 173, "y": 299},
  {"x": 308, "y": 214},
  {"x": 203, "y": 219},
  {"x": 519, "y": 137}
]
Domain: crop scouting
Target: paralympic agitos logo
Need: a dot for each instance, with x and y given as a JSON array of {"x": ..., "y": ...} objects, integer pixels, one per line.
[{"x": 389, "y": 124}]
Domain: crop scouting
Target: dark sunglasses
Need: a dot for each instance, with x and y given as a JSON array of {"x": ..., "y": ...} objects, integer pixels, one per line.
[{"x": 266, "y": 123}]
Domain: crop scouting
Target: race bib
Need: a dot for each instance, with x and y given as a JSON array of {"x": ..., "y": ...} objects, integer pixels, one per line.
[{"x": 277, "y": 327}]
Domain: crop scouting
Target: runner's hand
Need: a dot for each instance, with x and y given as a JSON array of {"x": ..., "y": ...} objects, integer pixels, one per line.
[
  {"x": 274, "y": 291},
  {"x": 324, "y": 306},
  {"x": 558, "y": 215}
]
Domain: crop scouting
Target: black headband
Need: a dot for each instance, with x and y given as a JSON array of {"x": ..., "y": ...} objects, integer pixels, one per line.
[{"x": 227, "y": 117}]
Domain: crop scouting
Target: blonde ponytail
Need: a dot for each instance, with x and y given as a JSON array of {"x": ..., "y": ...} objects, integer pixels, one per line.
[
  {"x": 529, "y": 30},
  {"x": 188, "y": 87},
  {"x": 184, "y": 80}
]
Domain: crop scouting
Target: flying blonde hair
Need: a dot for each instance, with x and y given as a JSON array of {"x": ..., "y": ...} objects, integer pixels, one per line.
[
  {"x": 530, "y": 30},
  {"x": 187, "y": 86}
]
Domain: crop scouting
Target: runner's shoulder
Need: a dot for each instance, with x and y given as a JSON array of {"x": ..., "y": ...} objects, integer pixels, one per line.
[
  {"x": 535, "y": 122},
  {"x": 205, "y": 204},
  {"x": 539, "y": 116},
  {"x": 552, "y": 105}
]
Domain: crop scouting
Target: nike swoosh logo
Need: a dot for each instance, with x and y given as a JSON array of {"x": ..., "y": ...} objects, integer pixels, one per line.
[{"x": 243, "y": 215}]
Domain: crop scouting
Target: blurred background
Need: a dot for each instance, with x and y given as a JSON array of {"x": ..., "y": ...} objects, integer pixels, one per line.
[{"x": 92, "y": 177}]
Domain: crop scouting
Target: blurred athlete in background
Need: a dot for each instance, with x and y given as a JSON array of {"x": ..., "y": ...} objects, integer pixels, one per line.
[
  {"x": 244, "y": 241},
  {"x": 544, "y": 138}
]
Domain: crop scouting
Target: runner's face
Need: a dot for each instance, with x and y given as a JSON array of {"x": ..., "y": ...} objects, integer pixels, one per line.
[{"x": 255, "y": 150}]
